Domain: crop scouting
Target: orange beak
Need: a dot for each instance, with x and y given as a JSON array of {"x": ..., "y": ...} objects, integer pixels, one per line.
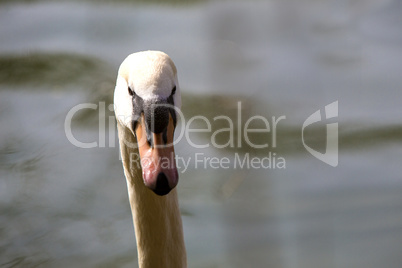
[{"x": 158, "y": 160}]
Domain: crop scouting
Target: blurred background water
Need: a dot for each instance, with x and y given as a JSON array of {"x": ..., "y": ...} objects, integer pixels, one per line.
[{"x": 64, "y": 206}]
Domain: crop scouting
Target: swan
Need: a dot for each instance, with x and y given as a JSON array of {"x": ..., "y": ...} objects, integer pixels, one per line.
[{"x": 146, "y": 97}]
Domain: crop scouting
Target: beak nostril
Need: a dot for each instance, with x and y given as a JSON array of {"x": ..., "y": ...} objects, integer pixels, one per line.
[
  {"x": 162, "y": 185},
  {"x": 164, "y": 136}
]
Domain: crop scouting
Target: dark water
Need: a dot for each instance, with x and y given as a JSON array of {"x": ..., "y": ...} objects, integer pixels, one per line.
[{"x": 64, "y": 206}]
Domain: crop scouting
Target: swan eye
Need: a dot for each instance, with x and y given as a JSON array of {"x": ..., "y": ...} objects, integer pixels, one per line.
[
  {"x": 130, "y": 91},
  {"x": 173, "y": 90}
]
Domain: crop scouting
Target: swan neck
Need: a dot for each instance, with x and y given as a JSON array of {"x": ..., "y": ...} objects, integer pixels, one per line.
[{"x": 157, "y": 219}]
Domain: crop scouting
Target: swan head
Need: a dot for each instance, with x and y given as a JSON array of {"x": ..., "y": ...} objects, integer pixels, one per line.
[{"x": 146, "y": 99}]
